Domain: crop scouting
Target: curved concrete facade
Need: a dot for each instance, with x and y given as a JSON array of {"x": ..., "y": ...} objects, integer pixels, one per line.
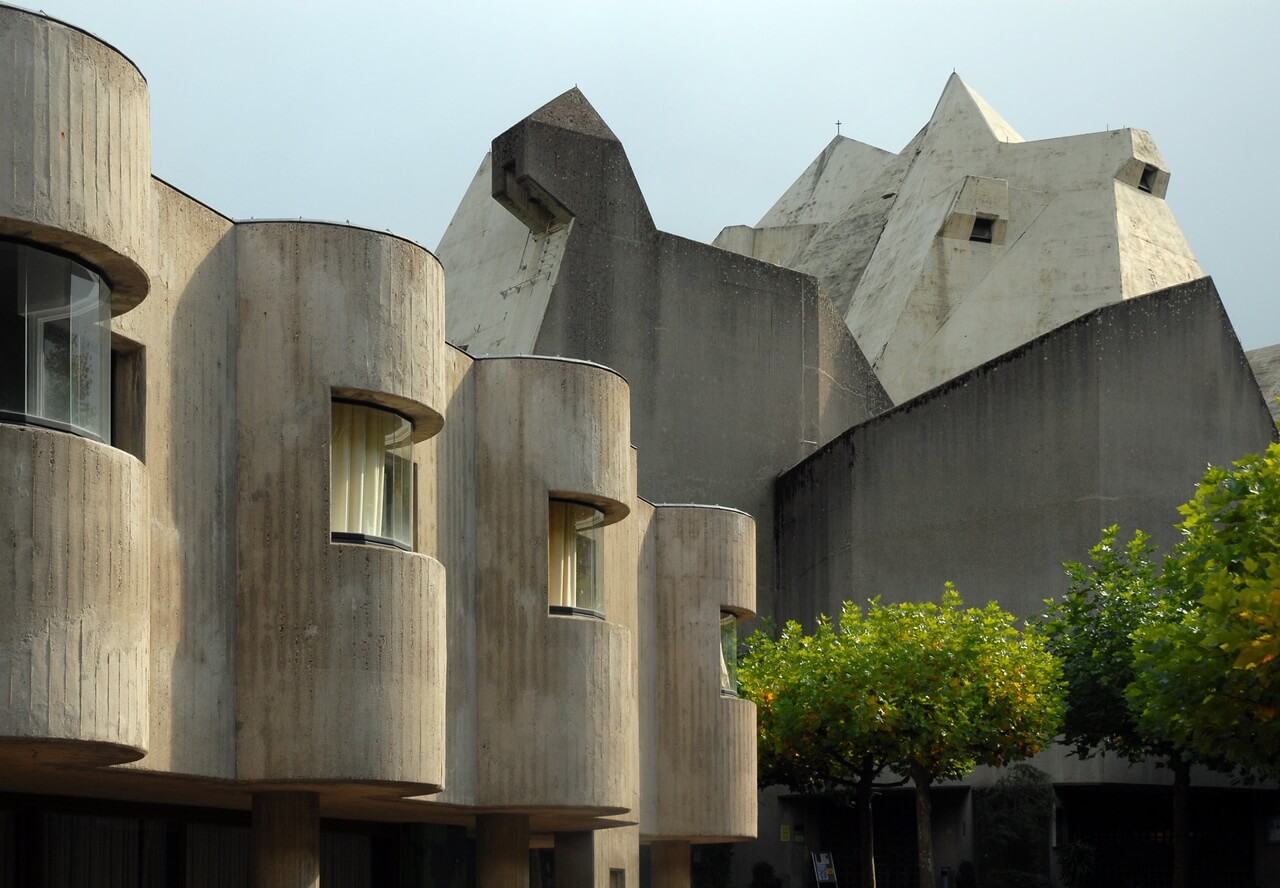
[
  {"x": 74, "y": 559},
  {"x": 341, "y": 648},
  {"x": 76, "y": 150},
  {"x": 556, "y": 694},
  {"x": 348, "y": 311},
  {"x": 706, "y": 740}
]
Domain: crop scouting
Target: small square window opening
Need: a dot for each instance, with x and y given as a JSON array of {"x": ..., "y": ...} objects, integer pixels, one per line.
[
  {"x": 1148, "y": 181},
  {"x": 983, "y": 230}
]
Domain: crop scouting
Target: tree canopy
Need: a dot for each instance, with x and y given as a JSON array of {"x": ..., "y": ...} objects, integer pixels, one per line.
[
  {"x": 938, "y": 687},
  {"x": 1181, "y": 661},
  {"x": 1090, "y": 629},
  {"x": 925, "y": 690},
  {"x": 1208, "y": 673}
]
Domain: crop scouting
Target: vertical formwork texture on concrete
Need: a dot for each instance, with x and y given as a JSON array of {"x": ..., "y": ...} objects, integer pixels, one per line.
[
  {"x": 341, "y": 646},
  {"x": 73, "y": 511},
  {"x": 556, "y": 692},
  {"x": 75, "y": 643},
  {"x": 76, "y": 149},
  {"x": 702, "y": 765}
]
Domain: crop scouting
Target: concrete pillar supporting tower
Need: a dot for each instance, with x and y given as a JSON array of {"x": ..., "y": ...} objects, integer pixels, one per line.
[
  {"x": 286, "y": 840},
  {"x": 671, "y": 863},
  {"x": 502, "y": 851},
  {"x": 575, "y": 860}
]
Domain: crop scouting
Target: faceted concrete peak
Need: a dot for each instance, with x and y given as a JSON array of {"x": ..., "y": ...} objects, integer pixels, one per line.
[
  {"x": 971, "y": 241},
  {"x": 835, "y": 177},
  {"x": 960, "y": 103},
  {"x": 571, "y": 111}
]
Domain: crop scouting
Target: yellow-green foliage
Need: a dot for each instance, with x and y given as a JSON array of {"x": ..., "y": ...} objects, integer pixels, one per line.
[
  {"x": 1208, "y": 676},
  {"x": 919, "y": 688}
]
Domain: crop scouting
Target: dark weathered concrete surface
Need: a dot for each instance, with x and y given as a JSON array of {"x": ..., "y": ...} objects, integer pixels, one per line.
[
  {"x": 1266, "y": 368},
  {"x": 996, "y": 478},
  {"x": 738, "y": 368}
]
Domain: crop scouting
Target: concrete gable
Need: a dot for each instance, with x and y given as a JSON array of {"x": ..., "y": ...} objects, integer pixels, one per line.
[
  {"x": 726, "y": 355},
  {"x": 1078, "y": 222},
  {"x": 836, "y": 178},
  {"x": 995, "y": 478}
]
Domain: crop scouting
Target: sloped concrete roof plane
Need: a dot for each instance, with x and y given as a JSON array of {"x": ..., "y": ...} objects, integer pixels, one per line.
[
  {"x": 837, "y": 177},
  {"x": 1079, "y": 222},
  {"x": 571, "y": 111},
  {"x": 1265, "y": 363},
  {"x": 961, "y": 104},
  {"x": 560, "y": 256}
]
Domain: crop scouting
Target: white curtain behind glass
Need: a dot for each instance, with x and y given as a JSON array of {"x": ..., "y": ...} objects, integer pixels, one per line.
[
  {"x": 562, "y": 556},
  {"x": 361, "y": 439}
]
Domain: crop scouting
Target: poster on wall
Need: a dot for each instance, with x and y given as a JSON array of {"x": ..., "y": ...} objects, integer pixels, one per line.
[{"x": 823, "y": 869}]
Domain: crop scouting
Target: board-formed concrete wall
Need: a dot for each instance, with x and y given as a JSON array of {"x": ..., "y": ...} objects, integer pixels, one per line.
[
  {"x": 76, "y": 153},
  {"x": 341, "y": 650},
  {"x": 447, "y": 527},
  {"x": 181, "y": 611},
  {"x": 704, "y": 757},
  {"x": 556, "y": 693},
  {"x": 995, "y": 479},
  {"x": 75, "y": 517},
  {"x": 75, "y": 639},
  {"x": 556, "y": 253},
  {"x": 182, "y": 340}
]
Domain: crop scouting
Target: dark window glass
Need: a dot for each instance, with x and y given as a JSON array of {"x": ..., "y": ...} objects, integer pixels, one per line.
[{"x": 55, "y": 342}]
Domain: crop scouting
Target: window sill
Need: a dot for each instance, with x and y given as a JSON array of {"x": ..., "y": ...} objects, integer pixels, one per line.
[
  {"x": 368, "y": 540},
  {"x": 560, "y": 610},
  {"x": 26, "y": 419}
]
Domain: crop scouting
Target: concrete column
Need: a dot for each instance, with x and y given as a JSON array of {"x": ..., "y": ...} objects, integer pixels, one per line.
[
  {"x": 502, "y": 851},
  {"x": 575, "y": 860},
  {"x": 286, "y": 840},
  {"x": 670, "y": 864}
]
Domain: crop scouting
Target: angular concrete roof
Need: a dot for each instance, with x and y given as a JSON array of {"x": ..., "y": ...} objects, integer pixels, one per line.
[
  {"x": 1065, "y": 225},
  {"x": 1266, "y": 369},
  {"x": 553, "y": 251},
  {"x": 571, "y": 111}
]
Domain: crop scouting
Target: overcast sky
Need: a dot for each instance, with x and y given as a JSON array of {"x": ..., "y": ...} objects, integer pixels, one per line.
[{"x": 380, "y": 112}]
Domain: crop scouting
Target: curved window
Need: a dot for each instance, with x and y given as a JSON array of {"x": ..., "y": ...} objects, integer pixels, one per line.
[
  {"x": 371, "y": 476},
  {"x": 728, "y": 654},
  {"x": 574, "y": 547},
  {"x": 55, "y": 342}
]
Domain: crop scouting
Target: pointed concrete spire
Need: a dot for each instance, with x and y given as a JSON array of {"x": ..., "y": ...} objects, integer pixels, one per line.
[
  {"x": 960, "y": 104},
  {"x": 571, "y": 111},
  {"x": 832, "y": 181}
]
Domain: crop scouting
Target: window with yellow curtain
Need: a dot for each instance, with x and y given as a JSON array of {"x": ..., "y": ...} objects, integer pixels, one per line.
[
  {"x": 371, "y": 475},
  {"x": 728, "y": 654},
  {"x": 574, "y": 548}
]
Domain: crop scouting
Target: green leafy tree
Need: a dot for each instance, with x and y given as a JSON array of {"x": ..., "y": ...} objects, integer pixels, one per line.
[
  {"x": 822, "y": 724},
  {"x": 1181, "y": 662},
  {"x": 1091, "y": 630},
  {"x": 925, "y": 690},
  {"x": 1208, "y": 676}
]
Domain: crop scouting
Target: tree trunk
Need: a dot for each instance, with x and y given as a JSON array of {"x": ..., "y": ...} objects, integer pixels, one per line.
[
  {"x": 924, "y": 826},
  {"x": 866, "y": 834},
  {"x": 1181, "y": 822}
]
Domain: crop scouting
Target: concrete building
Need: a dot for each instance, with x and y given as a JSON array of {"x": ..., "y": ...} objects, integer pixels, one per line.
[
  {"x": 921, "y": 249},
  {"x": 1266, "y": 368},
  {"x": 294, "y": 590},
  {"x": 319, "y": 569},
  {"x": 994, "y": 452}
]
